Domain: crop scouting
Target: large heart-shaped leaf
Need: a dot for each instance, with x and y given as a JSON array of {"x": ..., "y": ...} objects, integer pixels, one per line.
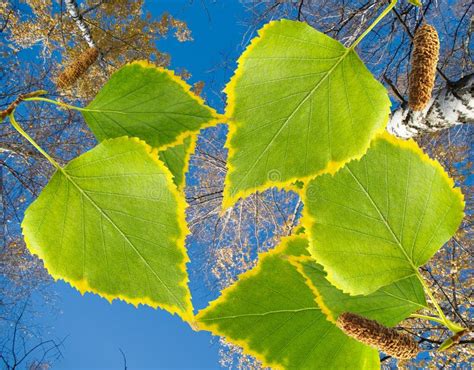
[
  {"x": 300, "y": 104},
  {"x": 176, "y": 158},
  {"x": 148, "y": 102},
  {"x": 388, "y": 305},
  {"x": 111, "y": 222},
  {"x": 380, "y": 218},
  {"x": 273, "y": 315}
]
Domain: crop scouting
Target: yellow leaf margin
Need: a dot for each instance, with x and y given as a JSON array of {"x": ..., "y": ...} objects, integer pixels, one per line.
[
  {"x": 83, "y": 286},
  {"x": 308, "y": 221},
  {"x": 214, "y": 329},
  {"x": 331, "y": 168},
  {"x": 187, "y": 157},
  {"x": 297, "y": 262},
  {"x": 216, "y": 117}
]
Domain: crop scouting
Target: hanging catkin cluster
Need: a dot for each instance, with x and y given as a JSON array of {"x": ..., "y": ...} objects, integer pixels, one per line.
[
  {"x": 423, "y": 66},
  {"x": 77, "y": 68},
  {"x": 370, "y": 332}
]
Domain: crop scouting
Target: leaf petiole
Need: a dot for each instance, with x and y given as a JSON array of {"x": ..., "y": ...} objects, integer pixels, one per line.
[
  {"x": 377, "y": 20},
  {"x": 22, "y": 132},
  {"x": 61, "y": 104},
  {"x": 428, "y": 318},
  {"x": 442, "y": 319}
]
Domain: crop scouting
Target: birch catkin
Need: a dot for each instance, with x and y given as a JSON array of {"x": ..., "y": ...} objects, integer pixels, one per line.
[
  {"x": 77, "y": 68},
  {"x": 423, "y": 67},
  {"x": 370, "y": 332}
]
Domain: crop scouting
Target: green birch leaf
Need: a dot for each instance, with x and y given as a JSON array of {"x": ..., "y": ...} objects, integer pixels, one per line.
[
  {"x": 148, "y": 102},
  {"x": 272, "y": 314},
  {"x": 176, "y": 158},
  {"x": 300, "y": 104},
  {"x": 111, "y": 222},
  {"x": 380, "y": 218},
  {"x": 388, "y": 305}
]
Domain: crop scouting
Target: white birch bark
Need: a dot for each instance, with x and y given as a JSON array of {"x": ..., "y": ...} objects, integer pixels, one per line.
[
  {"x": 451, "y": 106},
  {"x": 73, "y": 10}
]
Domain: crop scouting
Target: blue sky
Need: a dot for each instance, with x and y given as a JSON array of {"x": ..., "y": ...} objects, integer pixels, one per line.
[{"x": 150, "y": 338}]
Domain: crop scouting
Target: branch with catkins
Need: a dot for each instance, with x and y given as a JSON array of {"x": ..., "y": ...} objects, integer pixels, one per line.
[{"x": 370, "y": 332}]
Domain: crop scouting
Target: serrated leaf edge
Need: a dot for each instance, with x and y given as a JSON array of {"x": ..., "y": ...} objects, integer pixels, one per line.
[
  {"x": 297, "y": 262},
  {"x": 307, "y": 221},
  {"x": 332, "y": 167},
  {"x": 187, "y": 157},
  {"x": 214, "y": 329},
  {"x": 215, "y": 117},
  {"x": 83, "y": 285}
]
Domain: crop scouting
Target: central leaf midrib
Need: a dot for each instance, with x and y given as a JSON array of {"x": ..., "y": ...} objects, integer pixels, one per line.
[
  {"x": 107, "y": 217},
  {"x": 90, "y": 110},
  {"x": 306, "y": 97},
  {"x": 386, "y": 223},
  {"x": 304, "y": 309}
]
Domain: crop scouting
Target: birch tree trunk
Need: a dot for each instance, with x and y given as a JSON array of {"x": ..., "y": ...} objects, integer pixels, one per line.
[
  {"x": 73, "y": 10},
  {"x": 453, "y": 105}
]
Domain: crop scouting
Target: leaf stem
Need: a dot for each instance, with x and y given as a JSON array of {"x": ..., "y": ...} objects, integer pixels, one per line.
[
  {"x": 426, "y": 317},
  {"x": 61, "y": 104},
  {"x": 377, "y": 20},
  {"x": 22, "y": 132},
  {"x": 455, "y": 328}
]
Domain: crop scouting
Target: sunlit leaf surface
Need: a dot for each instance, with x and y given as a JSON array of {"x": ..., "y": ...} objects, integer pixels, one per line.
[
  {"x": 111, "y": 222},
  {"x": 380, "y": 218},
  {"x": 272, "y": 313},
  {"x": 299, "y": 104},
  {"x": 151, "y": 103},
  {"x": 388, "y": 305}
]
